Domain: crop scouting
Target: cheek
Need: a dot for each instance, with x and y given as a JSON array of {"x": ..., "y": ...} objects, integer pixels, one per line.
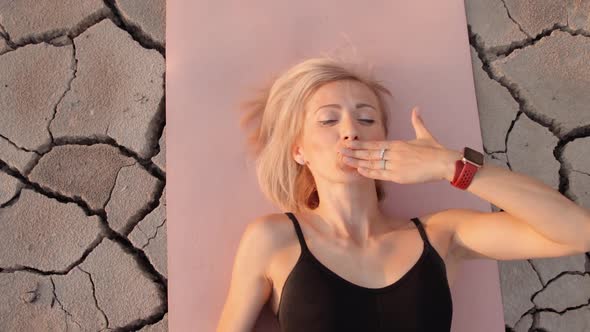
[
  {"x": 318, "y": 140},
  {"x": 321, "y": 149},
  {"x": 320, "y": 145},
  {"x": 377, "y": 133}
]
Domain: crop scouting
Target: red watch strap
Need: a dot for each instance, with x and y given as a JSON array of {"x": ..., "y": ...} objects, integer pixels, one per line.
[{"x": 464, "y": 173}]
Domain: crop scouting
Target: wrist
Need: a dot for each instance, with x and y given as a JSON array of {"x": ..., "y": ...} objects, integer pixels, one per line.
[{"x": 449, "y": 159}]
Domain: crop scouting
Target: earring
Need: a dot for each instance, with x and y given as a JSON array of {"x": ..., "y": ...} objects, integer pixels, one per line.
[{"x": 301, "y": 161}]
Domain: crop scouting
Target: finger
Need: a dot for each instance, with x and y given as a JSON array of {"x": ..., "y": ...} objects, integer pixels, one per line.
[
  {"x": 371, "y": 164},
  {"x": 374, "y": 173},
  {"x": 387, "y": 144},
  {"x": 419, "y": 125},
  {"x": 367, "y": 154}
]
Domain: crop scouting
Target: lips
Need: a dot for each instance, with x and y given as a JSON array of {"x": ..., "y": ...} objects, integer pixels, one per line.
[{"x": 341, "y": 162}]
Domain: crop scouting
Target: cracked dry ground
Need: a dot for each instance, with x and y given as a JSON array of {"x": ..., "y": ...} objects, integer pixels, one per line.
[
  {"x": 82, "y": 166},
  {"x": 82, "y": 204},
  {"x": 531, "y": 65}
]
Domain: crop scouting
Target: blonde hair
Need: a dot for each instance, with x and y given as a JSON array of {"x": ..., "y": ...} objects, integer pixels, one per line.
[{"x": 278, "y": 114}]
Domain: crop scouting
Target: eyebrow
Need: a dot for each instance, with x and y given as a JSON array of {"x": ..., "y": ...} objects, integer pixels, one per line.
[{"x": 359, "y": 105}]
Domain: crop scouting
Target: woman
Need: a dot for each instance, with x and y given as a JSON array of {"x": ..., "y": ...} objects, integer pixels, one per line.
[{"x": 334, "y": 261}]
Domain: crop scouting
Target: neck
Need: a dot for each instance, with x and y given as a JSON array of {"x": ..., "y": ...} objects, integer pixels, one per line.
[{"x": 349, "y": 210}]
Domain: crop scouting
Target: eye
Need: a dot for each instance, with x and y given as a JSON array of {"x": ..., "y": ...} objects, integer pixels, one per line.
[{"x": 369, "y": 121}]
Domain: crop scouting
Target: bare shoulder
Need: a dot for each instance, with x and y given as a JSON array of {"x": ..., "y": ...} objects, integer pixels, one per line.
[
  {"x": 440, "y": 227},
  {"x": 439, "y": 220},
  {"x": 271, "y": 227},
  {"x": 269, "y": 233},
  {"x": 447, "y": 219},
  {"x": 250, "y": 285},
  {"x": 265, "y": 225}
]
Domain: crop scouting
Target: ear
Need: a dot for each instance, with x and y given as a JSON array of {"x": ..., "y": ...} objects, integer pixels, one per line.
[{"x": 298, "y": 154}]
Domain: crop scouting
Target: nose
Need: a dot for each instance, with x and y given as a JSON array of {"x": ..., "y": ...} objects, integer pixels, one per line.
[
  {"x": 348, "y": 129},
  {"x": 349, "y": 138}
]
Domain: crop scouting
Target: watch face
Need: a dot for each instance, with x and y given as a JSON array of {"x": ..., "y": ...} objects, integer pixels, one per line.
[{"x": 474, "y": 156}]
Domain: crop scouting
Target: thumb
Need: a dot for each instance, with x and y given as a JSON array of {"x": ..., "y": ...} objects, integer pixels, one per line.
[{"x": 418, "y": 123}]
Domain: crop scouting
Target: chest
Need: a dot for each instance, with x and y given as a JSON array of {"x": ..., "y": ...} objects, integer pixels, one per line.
[
  {"x": 323, "y": 275},
  {"x": 314, "y": 301}
]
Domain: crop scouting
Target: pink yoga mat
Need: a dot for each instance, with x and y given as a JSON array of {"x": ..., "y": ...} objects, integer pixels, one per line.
[{"x": 219, "y": 51}]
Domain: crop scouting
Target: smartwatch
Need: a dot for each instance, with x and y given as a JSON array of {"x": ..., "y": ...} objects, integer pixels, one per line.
[{"x": 466, "y": 167}]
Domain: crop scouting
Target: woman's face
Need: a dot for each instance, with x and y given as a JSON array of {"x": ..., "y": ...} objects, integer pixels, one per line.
[{"x": 337, "y": 112}]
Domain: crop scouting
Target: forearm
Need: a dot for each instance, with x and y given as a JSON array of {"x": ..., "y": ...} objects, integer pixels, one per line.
[{"x": 530, "y": 200}]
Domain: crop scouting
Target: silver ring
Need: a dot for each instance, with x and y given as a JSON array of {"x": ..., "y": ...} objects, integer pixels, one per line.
[
  {"x": 383, "y": 163},
  {"x": 382, "y": 153}
]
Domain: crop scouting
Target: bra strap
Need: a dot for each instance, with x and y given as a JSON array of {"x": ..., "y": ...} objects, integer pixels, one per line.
[
  {"x": 297, "y": 230},
  {"x": 421, "y": 230}
]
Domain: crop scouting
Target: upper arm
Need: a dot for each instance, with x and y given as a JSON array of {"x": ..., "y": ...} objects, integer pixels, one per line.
[
  {"x": 500, "y": 236},
  {"x": 249, "y": 288}
]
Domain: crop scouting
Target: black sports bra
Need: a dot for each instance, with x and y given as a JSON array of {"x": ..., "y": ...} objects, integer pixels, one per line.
[{"x": 316, "y": 299}]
